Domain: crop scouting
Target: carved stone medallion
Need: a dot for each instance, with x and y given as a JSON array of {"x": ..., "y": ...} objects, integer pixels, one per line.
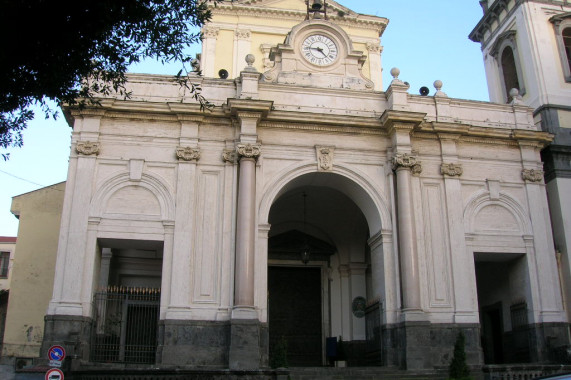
[
  {"x": 229, "y": 155},
  {"x": 452, "y": 170},
  {"x": 532, "y": 175},
  {"x": 187, "y": 153},
  {"x": 87, "y": 148},
  {"x": 324, "y": 158}
]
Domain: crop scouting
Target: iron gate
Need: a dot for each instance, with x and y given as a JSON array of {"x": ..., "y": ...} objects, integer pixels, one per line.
[{"x": 125, "y": 325}]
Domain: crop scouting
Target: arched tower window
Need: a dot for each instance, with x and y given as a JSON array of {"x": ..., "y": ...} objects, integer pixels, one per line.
[
  {"x": 504, "y": 50},
  {"x": 562, "y": 26},
  {"x": 567, "y": 42},
  {"x": 509, "y": 70}
]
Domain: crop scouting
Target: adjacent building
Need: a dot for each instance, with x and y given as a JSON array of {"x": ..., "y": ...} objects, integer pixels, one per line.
[
  {"x": 7, "y": 251},
  {"x": 39, "y": 214},
  {"x": 527, "y": 55}
]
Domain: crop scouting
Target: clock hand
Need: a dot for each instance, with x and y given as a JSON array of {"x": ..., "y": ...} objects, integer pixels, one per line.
[{"x": 320, "y": 50}]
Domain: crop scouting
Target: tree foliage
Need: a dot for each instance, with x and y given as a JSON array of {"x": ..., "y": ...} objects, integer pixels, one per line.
[
  {"x": 458, "y": 369},
  {"x": 49, "y": 48}
]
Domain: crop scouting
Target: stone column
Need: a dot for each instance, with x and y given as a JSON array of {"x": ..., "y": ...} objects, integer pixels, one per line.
[
  {"x": 248, "y": 336},
  {"x": 245, "y": 226},
  {"x": 405, "y": 165},
  {"x": 399, "y": 124}
]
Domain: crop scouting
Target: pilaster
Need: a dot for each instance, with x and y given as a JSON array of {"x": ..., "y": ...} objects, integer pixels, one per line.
[{"x": 72, "y": 246}]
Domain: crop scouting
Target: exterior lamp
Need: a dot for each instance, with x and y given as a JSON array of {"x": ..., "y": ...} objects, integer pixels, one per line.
[{"x": 305, "y": 250}]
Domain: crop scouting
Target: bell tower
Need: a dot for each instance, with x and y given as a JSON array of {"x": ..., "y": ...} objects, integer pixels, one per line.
[{"x": 526, "y": 46}]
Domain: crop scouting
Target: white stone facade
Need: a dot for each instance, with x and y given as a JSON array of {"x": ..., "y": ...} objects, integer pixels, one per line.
[{"x": 421, "y": 198}]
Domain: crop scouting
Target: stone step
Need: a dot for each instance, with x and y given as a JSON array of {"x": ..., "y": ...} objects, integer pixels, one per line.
[{"x": 362, "y": 373}]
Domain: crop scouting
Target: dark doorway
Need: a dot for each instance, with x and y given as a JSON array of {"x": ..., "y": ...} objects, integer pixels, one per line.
[
  {"x": 295, "y": 313},
  {"x": 492, "y": 333}
]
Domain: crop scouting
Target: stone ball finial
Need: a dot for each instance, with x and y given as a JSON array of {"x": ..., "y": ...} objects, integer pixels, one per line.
[
  {"x": 514, "y": 93},
  {"x": 395, "y": 72},
  {"x": 438, "y": 85},
  {"x": 250, "y": 59}
]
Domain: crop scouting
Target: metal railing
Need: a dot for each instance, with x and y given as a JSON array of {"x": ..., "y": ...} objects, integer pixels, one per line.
[
  {"x": 522, "y": 371},
  {"x": 125, "y": 325}
]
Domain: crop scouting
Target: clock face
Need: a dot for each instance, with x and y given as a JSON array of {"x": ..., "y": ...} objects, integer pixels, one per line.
[{"x": 319, "y": 50}]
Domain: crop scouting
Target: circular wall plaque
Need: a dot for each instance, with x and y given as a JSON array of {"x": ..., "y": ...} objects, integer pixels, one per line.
[{"x": 359, "y": 305}]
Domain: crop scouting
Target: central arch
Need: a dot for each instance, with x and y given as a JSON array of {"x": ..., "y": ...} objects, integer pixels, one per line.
[{"x": 349, "y": 230}]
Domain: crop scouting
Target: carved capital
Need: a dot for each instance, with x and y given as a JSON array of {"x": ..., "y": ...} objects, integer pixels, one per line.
[
  {"x": 405, "y": 160},
  {"x": 210, "y": 32},
  {"x": 187, "y": 153},
  {"x": 242, "y": 34},
  {"x": 324, "y": 158},
  {"x": 229, "y": 155},
  {"x": 87, "y": 148},
  {"x": 373, "y": 48},
  {"x": 249, "y": 151},
  {"x": 452, "y": 170},
  {"x": 532, "y": 175}
]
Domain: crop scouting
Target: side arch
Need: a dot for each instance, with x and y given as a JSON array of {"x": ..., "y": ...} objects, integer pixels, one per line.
[
  {"x": 154, "y": 185},
  {"x": 482, "y": 199}
]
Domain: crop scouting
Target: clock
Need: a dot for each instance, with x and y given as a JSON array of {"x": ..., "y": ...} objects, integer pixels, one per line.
[{"x": 319, "y": 50}]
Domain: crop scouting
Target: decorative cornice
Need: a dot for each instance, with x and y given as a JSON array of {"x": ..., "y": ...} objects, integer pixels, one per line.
[
  {"x": 532, "y": 175},
  {"x": 451, "y": 169},
  {"x": 87, "y": 148},
  {"x": 393, "y": 120},
  {"x": 350, "y": 19},
  {"x": 187, "y": 153},
  {"x": 249, "y": 151},
  {"x": 560, "y": 17},
  {"x": 321, "y": 128},
  {"x": 407, "y": 161}
]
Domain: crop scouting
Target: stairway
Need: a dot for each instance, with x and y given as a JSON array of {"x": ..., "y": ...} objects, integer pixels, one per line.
[{"x": 362, "y": 373}]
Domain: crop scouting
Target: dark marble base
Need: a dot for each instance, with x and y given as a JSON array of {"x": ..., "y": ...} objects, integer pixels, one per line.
[
  {"x": 193, "y": 343},
  {"x": 71, "y": 332},
  {"x": 422, "y": 345},
  {"x": 248, "y": 345}
]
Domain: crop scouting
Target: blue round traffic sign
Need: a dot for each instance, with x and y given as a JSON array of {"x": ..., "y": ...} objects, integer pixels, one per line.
[{"x": 56, "y": 353}]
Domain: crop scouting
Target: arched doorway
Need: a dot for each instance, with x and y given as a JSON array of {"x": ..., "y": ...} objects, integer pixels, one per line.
[{"x": 325, "y": 297}]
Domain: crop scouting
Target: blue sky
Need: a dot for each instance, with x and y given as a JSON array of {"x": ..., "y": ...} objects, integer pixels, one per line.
[{"x": 426, "y": 40}]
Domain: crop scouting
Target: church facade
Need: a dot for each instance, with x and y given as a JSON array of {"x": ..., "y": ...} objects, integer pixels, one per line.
[{"x": 306, "y": 207}]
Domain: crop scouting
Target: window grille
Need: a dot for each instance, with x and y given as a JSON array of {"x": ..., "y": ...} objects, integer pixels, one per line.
[
  {"x": 518, "y": 313},
  {"x": 125, "y": 325}
]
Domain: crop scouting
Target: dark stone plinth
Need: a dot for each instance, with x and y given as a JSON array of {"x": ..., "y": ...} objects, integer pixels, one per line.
[
  {"x": 248, "y": 345},
  {"x": 71, "y": 332},
  {"x": 549, "y": 343},
  {"x": 178, "y": 374},
  {"x": 194, "y": 343},
  {"x": 423, "y": 345}
]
